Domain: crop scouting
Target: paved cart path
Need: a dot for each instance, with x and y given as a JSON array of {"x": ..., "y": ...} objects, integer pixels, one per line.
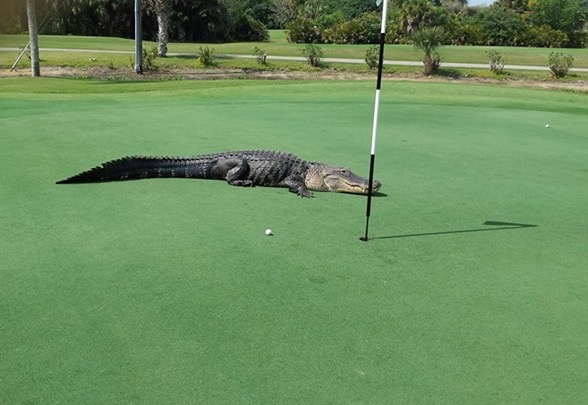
[{"x": 328, "y": 60}]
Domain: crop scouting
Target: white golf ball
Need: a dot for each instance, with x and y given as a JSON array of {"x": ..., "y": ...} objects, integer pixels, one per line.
[
  {"x": 546, "y": 125},
  {"x": 268, "y": 232}
]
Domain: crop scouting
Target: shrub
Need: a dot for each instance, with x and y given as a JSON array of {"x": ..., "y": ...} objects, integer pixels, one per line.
[
  {"x": 303, "y": 30},
  {"x": 545, "y": 36},
  {"x": 206, "y": 56},
  {"x": 149, "y": 56},
  {"x": 334, "y": 28},
  {"x": 364, "y": 29},
  {"x": 500, "y": 26},
  {"x": 471, "y": 34},
  {"x": 495, "y": 60},
  {"x": 560, "y": 64},
  {"x": 260, "y": 55},
  {"x": 372, "y": 56},
  {"x": 313, "y": 54}
]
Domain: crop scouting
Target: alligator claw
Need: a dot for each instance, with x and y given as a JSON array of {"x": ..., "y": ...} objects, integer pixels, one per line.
[{"x": 242, "y": 183}]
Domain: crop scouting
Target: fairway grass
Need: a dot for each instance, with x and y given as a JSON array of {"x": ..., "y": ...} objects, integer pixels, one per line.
[{"x": 168, "y": 290}]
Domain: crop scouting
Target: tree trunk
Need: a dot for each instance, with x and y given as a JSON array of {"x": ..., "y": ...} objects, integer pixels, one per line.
[
  {"x": 162, "y": 9},
  {"x": 34, "y": 38},
  {"x": 429, "y": 65}
]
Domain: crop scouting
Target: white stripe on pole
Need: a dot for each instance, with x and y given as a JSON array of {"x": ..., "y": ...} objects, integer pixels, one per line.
[{"x": 375, "y": 122}]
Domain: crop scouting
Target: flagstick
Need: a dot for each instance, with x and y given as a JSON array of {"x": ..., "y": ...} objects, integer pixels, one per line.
[{"x": 375, "y": 123}]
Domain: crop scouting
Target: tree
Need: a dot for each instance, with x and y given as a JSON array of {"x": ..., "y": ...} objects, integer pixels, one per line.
[
  {"x": 569, "y": 17},
  {"x": 515, "y": 5},
  {"x": 12, "y": 17},
  {"x": 262, "y": 11},
  {"x": 350, "y": 8},
  {"x": 285, "y": 11},
  {"x": 162, "y": 10},
  {"x": 409, "y": 16},
  {"x": 500, "y": 26},
  {"x": 428, "y": 40},
  {"x": 455, "y": 6},
  {"x": 34, "y": 38}
]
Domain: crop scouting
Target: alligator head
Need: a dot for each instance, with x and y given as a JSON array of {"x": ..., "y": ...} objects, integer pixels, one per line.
[{"x": 320, "y": 177}]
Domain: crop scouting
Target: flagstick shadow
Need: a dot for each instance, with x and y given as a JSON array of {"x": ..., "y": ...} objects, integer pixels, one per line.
[{"x": 501, "y": 226}]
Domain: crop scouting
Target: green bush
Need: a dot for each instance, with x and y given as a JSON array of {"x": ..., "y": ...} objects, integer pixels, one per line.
[
  {"x": 560, "y": 64},
  {"x": 303, "y": 30},
  {"x": 545, "y": 36},
  {"x": 149, "y": 56},
  {"x": 334, "y": 28},
  {"x": 206, "y": 56},
  {"x": 260, "y": 55},
  {"x": 372, "y": 56},
  {"x": 364, "y": 29},
  {"x": 499, "y": 26},
  {"x": 313, "y": 55},
  {"x": 471, "y": 34},
  {"x": 495, "y": 60}
]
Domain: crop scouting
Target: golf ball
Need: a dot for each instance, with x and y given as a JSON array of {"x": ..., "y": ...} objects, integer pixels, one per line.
[
  {"x": 546, "y": 125},
  {"x": 268, "y": 232}
]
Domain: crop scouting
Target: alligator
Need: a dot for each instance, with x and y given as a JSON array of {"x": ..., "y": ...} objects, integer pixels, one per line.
[{"x": 245, "y": 168}]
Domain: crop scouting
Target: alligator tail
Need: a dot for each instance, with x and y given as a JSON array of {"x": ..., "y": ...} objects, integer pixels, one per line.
[{"x": 140, "y": 167}]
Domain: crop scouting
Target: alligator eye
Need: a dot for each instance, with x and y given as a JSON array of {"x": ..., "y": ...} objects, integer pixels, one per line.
[{"x": 343, "y": 171}]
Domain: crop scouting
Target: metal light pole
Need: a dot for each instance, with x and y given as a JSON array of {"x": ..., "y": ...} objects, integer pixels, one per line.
[{"x": 138, "y": 38}]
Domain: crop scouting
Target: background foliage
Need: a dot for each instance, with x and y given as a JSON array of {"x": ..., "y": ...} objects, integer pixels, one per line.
[
  {"x": 539, "y": 23},
  {"x": 190, "y": 20}
]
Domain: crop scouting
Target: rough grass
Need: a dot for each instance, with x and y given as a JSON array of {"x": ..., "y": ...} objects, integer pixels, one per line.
[{"x": 279, "y": 46}]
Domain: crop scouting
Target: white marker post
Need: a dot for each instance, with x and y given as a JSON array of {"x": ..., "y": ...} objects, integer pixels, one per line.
[{"x": 375, "y": 122}]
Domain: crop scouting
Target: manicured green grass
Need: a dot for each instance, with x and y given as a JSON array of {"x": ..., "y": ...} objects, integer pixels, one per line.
[{"x": 168, "y": 291}]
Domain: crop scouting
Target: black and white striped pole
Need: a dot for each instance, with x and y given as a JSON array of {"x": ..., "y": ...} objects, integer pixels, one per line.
[{"x": 365, "y": 238}]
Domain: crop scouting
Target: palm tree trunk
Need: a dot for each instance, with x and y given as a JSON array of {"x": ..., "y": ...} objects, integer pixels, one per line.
[
  {"x": 162, "y": 32},
  {"x": 162, "y": 8},
  {"x": 429, "y": 64},
  {"x": 34, "y": 38}
]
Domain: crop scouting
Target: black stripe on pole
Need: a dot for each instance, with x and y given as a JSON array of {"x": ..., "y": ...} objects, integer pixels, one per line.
[
  {"x": 381, "y": 61},
  {"x": 369, "y": 199},
  {"x": 368, "y": 210}
]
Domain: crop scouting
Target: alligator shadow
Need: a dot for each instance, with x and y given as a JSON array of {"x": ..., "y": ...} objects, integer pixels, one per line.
[{"x": 496, "y": 226}]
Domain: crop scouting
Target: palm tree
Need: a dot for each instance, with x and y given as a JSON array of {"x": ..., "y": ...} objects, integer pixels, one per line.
[
  {"x": 428, "y": 39},
  {"x": 162, "y": 10},
  {"x": 33, "y": 38}
]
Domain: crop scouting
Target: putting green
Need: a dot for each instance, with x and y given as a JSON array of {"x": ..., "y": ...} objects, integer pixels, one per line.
[{"x": 168, "y": 291}]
